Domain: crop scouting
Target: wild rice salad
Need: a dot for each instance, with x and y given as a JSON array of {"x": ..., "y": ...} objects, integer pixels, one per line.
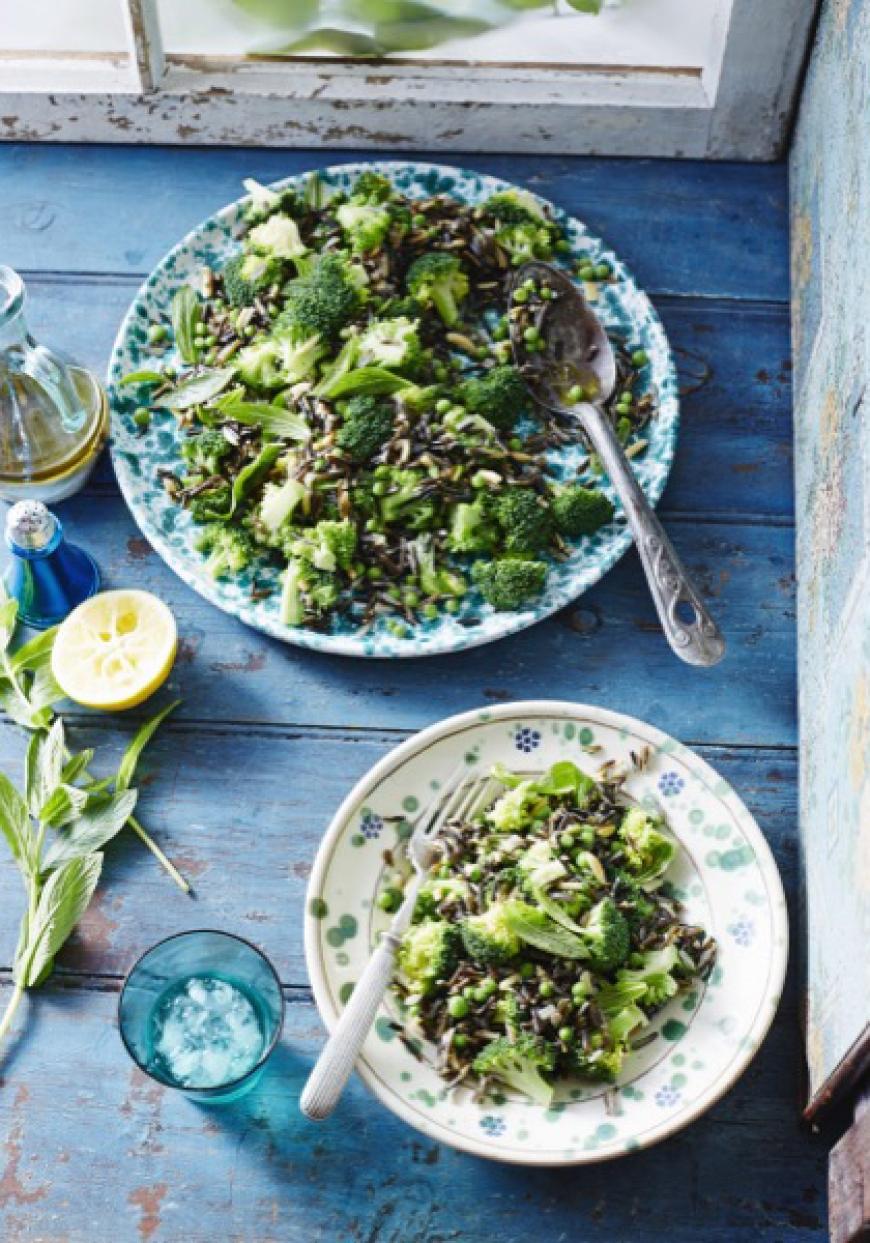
[
  {"x": 348, "y": 410},
  {"x": 546, "y": 939}
]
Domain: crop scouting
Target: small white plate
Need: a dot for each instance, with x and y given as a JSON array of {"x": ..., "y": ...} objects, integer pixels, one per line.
[{"x": 725, "y": 875}]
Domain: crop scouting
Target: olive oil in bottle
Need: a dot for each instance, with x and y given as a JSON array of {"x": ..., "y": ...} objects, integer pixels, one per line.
[{"x": 53, "y": 413}]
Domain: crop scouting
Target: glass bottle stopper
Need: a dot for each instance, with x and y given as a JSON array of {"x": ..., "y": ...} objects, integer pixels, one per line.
[{"x": 47, "y": 575}]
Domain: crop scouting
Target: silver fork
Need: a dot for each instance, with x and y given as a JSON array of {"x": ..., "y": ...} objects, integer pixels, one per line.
[{"x": 456, "y": 800}]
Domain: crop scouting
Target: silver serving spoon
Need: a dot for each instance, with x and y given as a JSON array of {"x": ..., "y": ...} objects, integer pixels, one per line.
[{"x": 578, "y": 352}]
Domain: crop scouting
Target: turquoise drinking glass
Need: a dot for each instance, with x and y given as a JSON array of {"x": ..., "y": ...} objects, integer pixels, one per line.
[{"x": 201, "y": 1012}]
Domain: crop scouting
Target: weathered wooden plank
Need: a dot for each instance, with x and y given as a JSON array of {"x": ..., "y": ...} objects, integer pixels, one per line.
[
  {"x": 242, "y": 812},
  {"x": 92, "y": 1150},
  {"x": 607, "y": 648},
  {"x": 831, "y": 200},
  {"x": 684, "y": 228},
  {"x": 735, "y": 441}
]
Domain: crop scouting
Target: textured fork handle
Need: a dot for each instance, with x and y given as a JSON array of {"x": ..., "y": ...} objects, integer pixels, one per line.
[
  {"x": 700, "y": 641},
  {"x": 335, "y": 1064}
]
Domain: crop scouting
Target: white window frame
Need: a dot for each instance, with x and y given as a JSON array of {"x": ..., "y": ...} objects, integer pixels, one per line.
[{"x": 739, "y": 108}]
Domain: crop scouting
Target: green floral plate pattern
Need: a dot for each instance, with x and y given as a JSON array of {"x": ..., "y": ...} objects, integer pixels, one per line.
[
  {"x": 138, "y": 457},
  {"x": 725, "y": 875}
]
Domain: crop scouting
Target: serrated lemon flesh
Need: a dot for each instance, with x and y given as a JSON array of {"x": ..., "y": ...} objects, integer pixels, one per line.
[{"x": 115, "y": 649}]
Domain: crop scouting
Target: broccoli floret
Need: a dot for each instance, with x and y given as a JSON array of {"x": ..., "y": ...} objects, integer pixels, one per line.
[
  {"x": 298, "y": 354},
  {"x": 606, "y": 935},
  {"x": 264, "y": 201},
  {"x": 580, "y": 511},
  {"x": 510, "y": 812},
  {"x": 648, "y": 852},
  {"x": 365, "y": 225},
  {"x": 524, "y": 519},
  {"x": 245, "y": 276},
  {"x": 655, "y": 975},
  {"x": 278, "y": 503},
  {"x": 428, "y": 953},
  {"x": 487, "y": 937},
  {"x": 205, "y": 452},
  {"x": 603, "y": 1065},
  {"x": 372, "y": 187},
  {"x": 515, "y": 206},
  {"x": 228, "y": 549},
  {"x": 539, "y": 866},
  {"x": 522, "y": 226},
  {"x": 259, "y": 365},
  {"x": 278, "y": 236},
  {"x": 472, "y": 529},
  {"x": 437, "y": 891},
  {"x": 392, "y": 343},
  {"x": 436, "y": 580},
  {"x": 306, "y": 590},
  {"x": 328, "y": 546},
  {"x": 367, "y": 424},
  {"x": 520, "y": 1065},
  {"x": 437, "y": 280},
  {"x": 322, "y": 301},
  {"x": 211, "y": 505},
  {"x": 500, "y": 396},
  {"x": 509, "y": 585},
  {"x": 403, "y": 502}
]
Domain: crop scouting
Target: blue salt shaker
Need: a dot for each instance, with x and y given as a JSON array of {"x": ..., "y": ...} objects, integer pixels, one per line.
[{"x": 47, "y": 575}]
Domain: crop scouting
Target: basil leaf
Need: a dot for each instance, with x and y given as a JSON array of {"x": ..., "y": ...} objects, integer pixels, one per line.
[
  {"x": 196, "y": 390},
  {"x": 140, "y": 741},
  {"x": 142, "y": 377},
  {"x": 61, "y": 905},
  {"x": 368, "y": 380},
  {"x": 36, "y": 652},
  {"x": 277, "y": 420},
  {"x": 327, "y": 39},
  {"x": 15, "y": 824},
  {"x": 64, "y": 805},
  {"x": 531, "y": 926},
  {"x": 94, "y": 828},
  {"x": 186, "y": 313},
  {"x": 252, "y": 475}
]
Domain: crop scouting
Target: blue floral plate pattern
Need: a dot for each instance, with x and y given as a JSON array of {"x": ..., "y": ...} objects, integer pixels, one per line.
[{"x": 139, "y": 456}]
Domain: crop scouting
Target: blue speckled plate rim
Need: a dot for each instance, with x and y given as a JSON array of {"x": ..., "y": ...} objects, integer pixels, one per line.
[{"x": 446, "y": 640}]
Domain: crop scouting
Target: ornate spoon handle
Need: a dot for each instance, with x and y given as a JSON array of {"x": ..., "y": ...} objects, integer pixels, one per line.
[{"x": 688, "y": 627}]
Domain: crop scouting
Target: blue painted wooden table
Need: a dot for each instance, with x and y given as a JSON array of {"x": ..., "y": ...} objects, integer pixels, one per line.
[{"x": 268, "y": 740}]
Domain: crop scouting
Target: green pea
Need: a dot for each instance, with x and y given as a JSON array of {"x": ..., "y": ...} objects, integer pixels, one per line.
[
  {"x": 142, "y": 416},
  {"x": 578, "y": 990},
  {"x": 566, "y": 1034},
  {"x": 576, "y": 392},
  {"x": 587, "y": 272},
  {"x": 547, "y": 293},
  {"x": 452, "y": 606},
  {"x": 529, "y": 283},
  {"x": 532, "y": 335},
  {"x": 566, "y": 840},
  {"x": 499, "y": 332},
  {"x": 211, "y": 339},
  {"x": 399, "y": 629},
  {"x": 475, "y": 873},
  {"x": 481, "y": 995},
  {"x": 639, "y": 358},
  {"x": 469, "y": 991},
  {"x": 169, "y": 371},
  {"x": 563, "y": 245},
  {"x": 547, "y": 988},
  {"x": 249, "y": 331},
  {"x": 380, "y": 487},
  {"x": 389, "y": 900},
  {"x": 515, "y": 444},
  {"x": 527, "y": 970},
  {"x": 521, "y": 295},
  {"x": 603, "y": 271},
  {"x": 320, "y": 463},
  {"x": 430, "y": 611},
  {"x": 442, "y": 405},
  {"x": 488, "y": 986},
  {"x": 382, "y": 471},
  {"x": 587, "y": 836},
  {"x": 418, "y": 220},
  {"x": 460, "y": 1040},
  {"x": 157, "y": 334},
  {"x": 372, "y": 524},
  {"x": 457, "y": 1007}
]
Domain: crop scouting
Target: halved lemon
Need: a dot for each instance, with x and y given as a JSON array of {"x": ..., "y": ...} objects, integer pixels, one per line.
[{"x": 115, "y": 649}]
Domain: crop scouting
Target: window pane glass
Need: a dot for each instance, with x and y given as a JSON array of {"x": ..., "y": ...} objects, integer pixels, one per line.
[
  {"x": 655, "y": 33},
  {"x": 49, "y": 26}
]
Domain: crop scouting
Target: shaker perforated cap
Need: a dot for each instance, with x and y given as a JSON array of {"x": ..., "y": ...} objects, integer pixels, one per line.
[{"x": 29, "y": 524}]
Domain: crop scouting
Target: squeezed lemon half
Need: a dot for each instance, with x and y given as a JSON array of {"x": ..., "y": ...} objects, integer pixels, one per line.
[{"x": 115, "y": 649}]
